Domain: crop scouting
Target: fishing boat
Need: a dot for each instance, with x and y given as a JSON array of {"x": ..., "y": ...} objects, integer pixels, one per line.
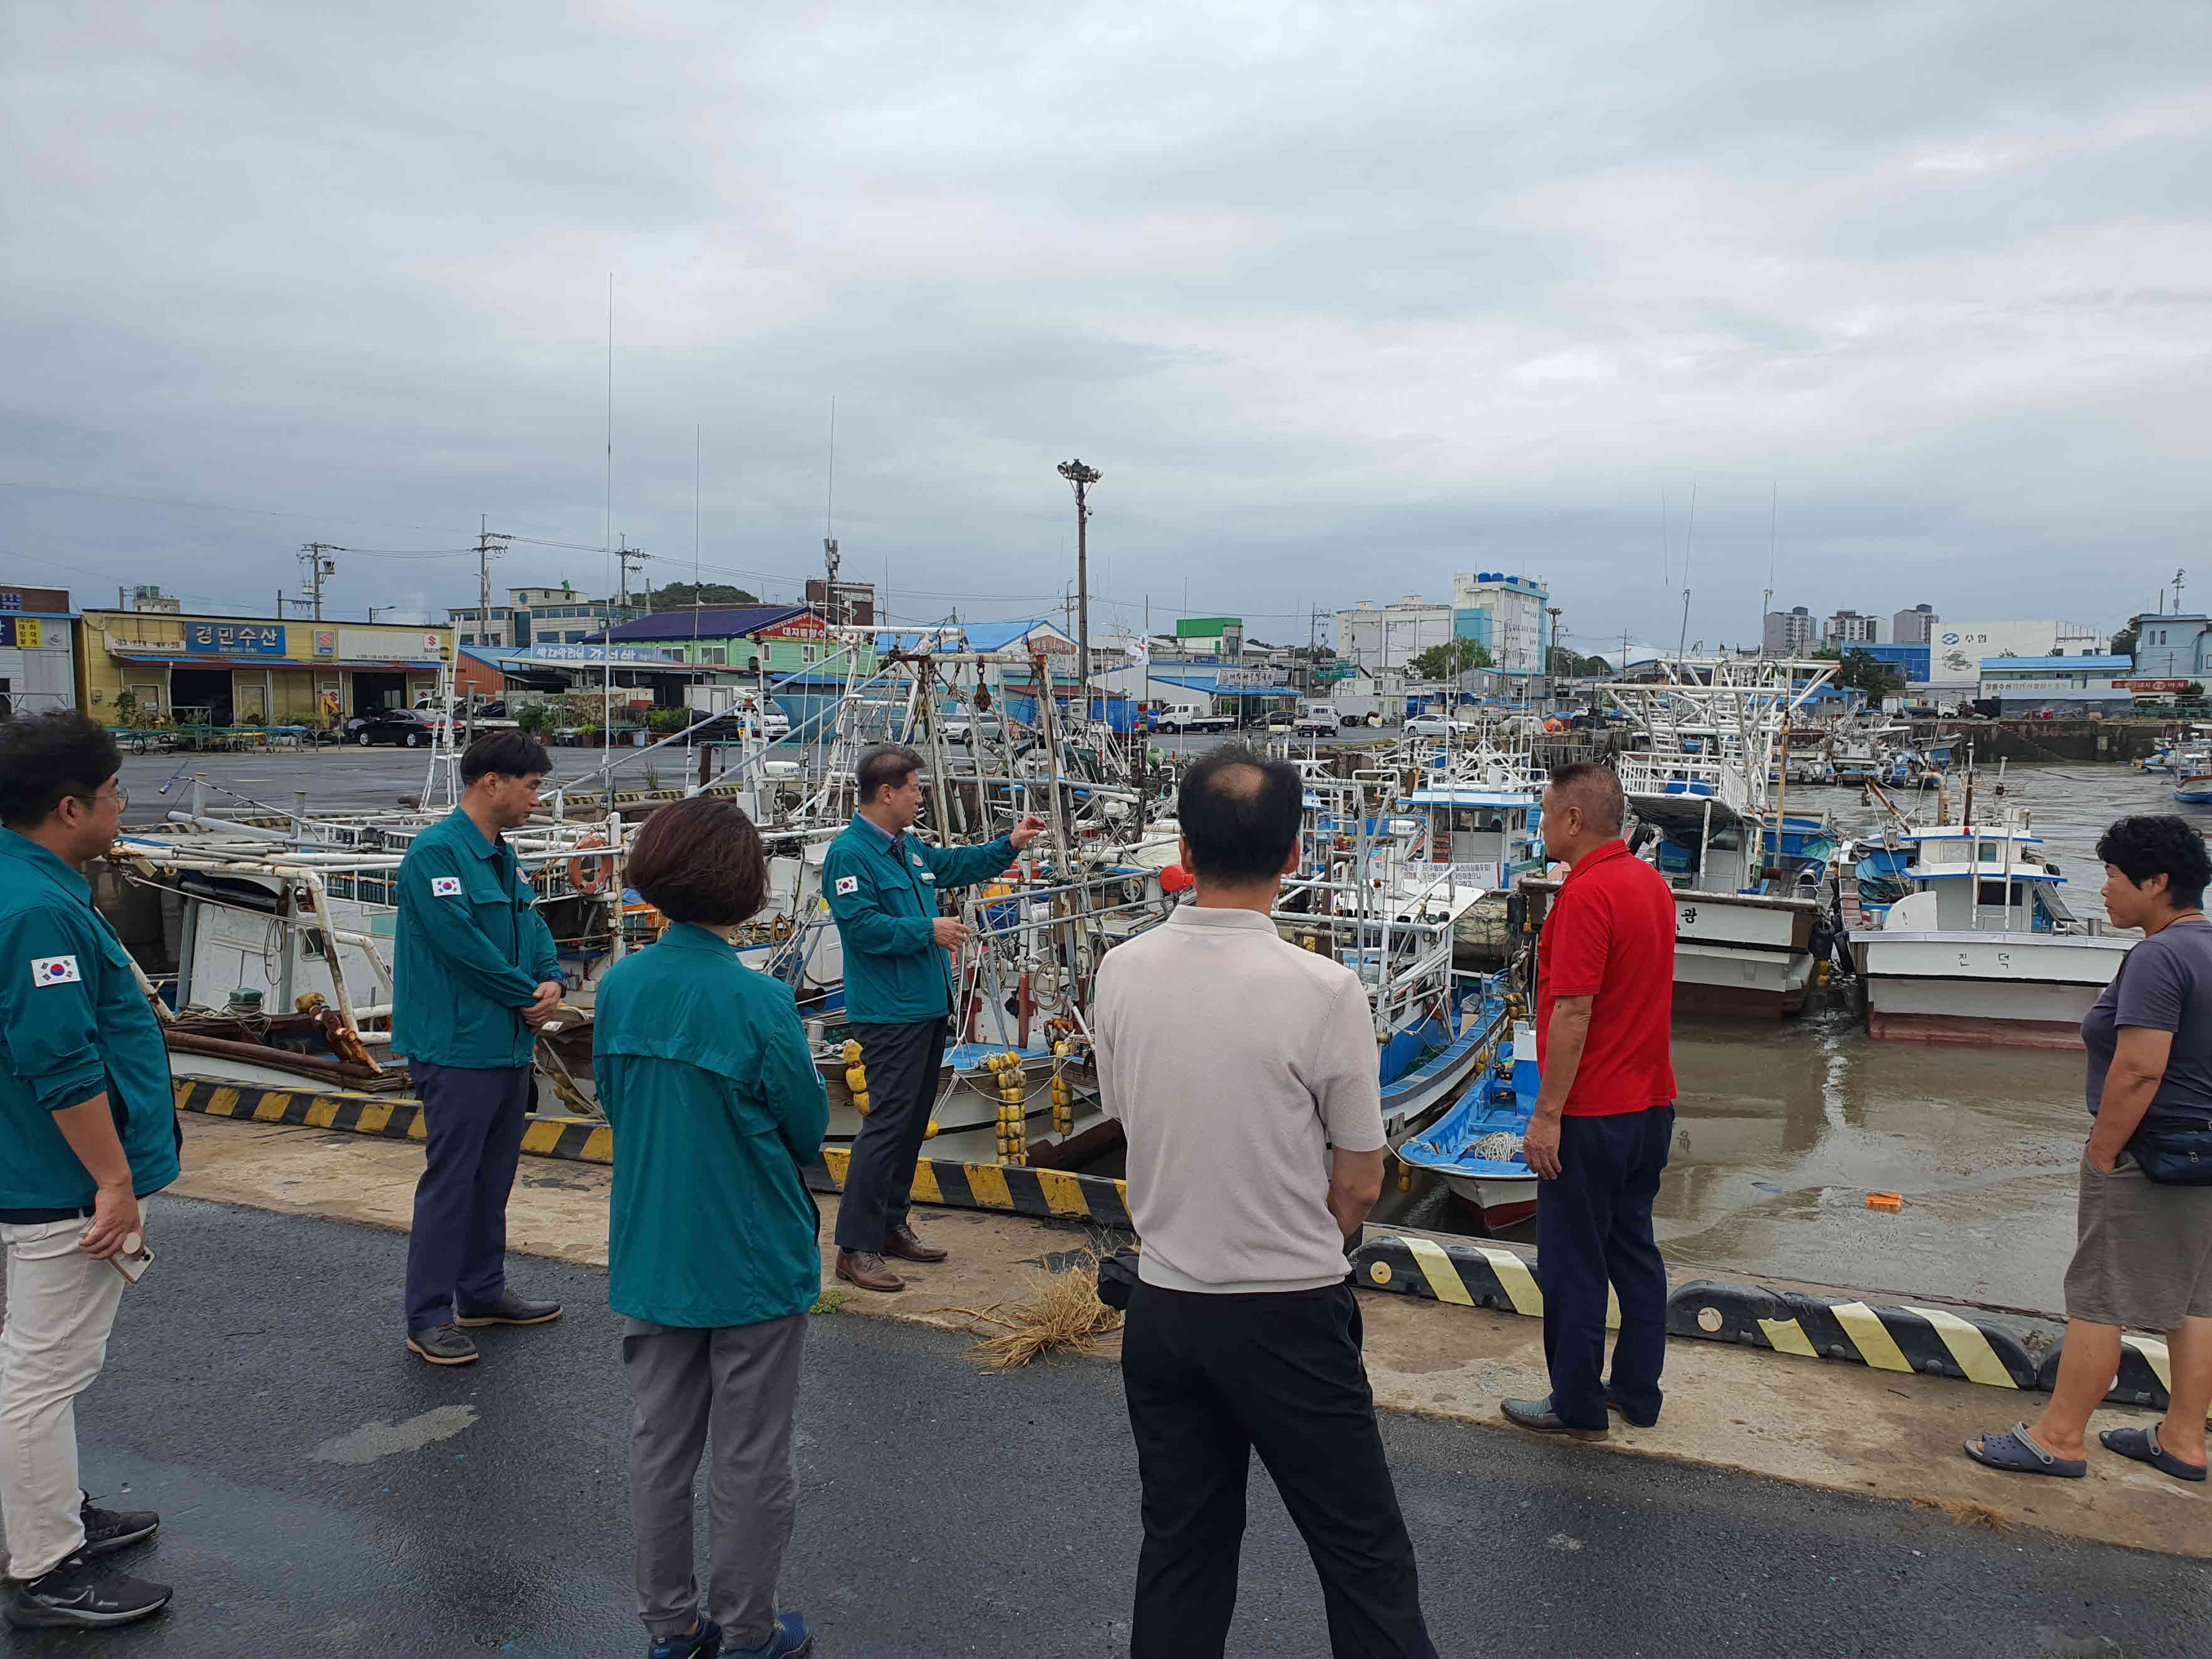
[
  {"x": 1475, "y": 1148},
  {"x": 1974, "y": 943},
  {"x": 1368, "y": 894},
  {"x": 2192, "y": 781},
  {"x": 1752, "y": 883}
]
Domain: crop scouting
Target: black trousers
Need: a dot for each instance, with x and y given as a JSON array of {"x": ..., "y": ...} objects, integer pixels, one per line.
[
  {"x": 903, "y": 1062},
  {"x": 1209, "y": 1380},
  {"x": 472, "y": 1139},
  {"x": 1594, "y": 1228}
]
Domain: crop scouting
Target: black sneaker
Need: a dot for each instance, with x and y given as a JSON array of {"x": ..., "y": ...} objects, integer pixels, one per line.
[
  {"x": 107, "y": 1531},
  {"x": 442, "y": 1345},
  {"x": 509, "y": 1309},
  {"x": 80, "y": 1595}
]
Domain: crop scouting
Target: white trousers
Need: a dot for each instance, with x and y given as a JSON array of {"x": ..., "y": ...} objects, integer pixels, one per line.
[{"x": 61, "y": 1306}]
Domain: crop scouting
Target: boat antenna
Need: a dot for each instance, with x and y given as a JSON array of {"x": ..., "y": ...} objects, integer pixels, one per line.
[{"x": 1689, "y": 529}]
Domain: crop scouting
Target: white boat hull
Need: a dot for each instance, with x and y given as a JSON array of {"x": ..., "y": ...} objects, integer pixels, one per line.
[
  {"x": 1502, "y": 1201},
  {"x": 2024, "y": 990}
]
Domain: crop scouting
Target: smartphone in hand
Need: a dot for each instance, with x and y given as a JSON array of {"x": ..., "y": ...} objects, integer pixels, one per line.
[{"x": 133, "y": 1259}]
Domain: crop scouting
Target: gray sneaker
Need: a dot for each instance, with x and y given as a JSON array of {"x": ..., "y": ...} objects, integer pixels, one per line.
[{"x": 442, "y": 1345}]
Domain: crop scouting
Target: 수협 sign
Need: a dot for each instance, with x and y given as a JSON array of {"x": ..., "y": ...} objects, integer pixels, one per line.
[{"x": 261, "y": 638}]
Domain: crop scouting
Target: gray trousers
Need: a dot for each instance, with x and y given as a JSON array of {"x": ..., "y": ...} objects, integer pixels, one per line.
[{"x": 741, "y": 1383}]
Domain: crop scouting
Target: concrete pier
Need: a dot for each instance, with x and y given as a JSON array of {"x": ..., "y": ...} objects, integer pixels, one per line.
[{"x": 323, "y": 1491}]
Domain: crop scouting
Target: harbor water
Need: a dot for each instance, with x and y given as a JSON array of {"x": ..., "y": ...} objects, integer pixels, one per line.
[{"x": 1783, "y": 1129}]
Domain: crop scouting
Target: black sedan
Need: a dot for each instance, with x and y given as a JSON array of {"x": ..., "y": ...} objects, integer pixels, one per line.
[{"x": 410, "y": 728}]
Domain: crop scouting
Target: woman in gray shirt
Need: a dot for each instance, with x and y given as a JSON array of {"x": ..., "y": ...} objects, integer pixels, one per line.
[{"x": 2142, "y": 1256}]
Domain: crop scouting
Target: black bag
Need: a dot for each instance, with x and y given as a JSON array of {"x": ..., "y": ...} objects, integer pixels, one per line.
[
  {"x": 1117, "y": 1277},
  {"x": 2173, "y": 1157}
]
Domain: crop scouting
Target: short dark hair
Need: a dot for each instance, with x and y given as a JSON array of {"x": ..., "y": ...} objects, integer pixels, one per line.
[
  {"x": 45, "y": 757},
  {"x": 1597, "y": 790},
  {"x": 1240, "y": 812},
  {"x": 884, "y": 765},
  {"x": 509, "y": 754},
  {"x": 700, "y": 860},
  {"x": 2159, "y": 844}
]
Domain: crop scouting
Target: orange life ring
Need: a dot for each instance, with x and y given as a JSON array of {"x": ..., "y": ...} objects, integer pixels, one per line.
[{"x": 597, "y": 881}]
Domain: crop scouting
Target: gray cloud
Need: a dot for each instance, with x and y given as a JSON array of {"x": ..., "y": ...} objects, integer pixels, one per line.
[{"x": 1340, "y": 298}]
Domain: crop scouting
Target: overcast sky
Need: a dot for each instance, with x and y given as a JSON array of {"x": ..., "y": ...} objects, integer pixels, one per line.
[{"x": 1340, "y": 298}]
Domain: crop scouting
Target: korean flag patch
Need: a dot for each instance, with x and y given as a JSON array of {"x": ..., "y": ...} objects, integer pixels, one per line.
[
  {"x": 446, "y": 886},
  {"x": 847, "y": 884},
  {"x": 55, "y": 970}
]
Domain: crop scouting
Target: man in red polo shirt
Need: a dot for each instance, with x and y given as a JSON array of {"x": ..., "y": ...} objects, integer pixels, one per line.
[{"x": 1604, "y": 1113}]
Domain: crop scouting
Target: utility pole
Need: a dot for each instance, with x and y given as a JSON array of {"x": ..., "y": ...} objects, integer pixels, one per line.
[
  {"x": 1082, "y": 477},
  {"x": 315, "y": 555},
  {"x": 485, "y": 553},
  {"x": 625, "y": 555}
]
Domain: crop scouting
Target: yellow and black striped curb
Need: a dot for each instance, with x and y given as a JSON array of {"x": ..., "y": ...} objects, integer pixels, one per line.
[
  {"x": 2146, "y": 1375},
  {"x": 1898, "y": 1339},
  {"x": 1470, "y": 1275},
  {"x": 1015, "y": 1189},
  {"x": 391, "y": 1117},
  {"x": 1931, "y": 1341},
  {"x": 1055, "y": 1195}
]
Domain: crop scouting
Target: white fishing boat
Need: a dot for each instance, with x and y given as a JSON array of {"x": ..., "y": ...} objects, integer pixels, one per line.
[
  {"x": 1752, "y": 882},
  {"x": 1978, "y": 946}
]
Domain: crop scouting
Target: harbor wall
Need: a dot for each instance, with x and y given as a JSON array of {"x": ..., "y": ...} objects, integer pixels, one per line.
[{"x": 2020, "y": 740}]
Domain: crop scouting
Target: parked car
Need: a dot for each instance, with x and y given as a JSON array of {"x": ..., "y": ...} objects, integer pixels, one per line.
[
  {"x": 966, "y": 728},
  {"x": 1317, "y": 719},
  {"x": 1281, "y": 720},
  {"x": 1191, "y": 717},
  {"x": 409, "y": 729},
  {"x": 1439, "y": 725}
]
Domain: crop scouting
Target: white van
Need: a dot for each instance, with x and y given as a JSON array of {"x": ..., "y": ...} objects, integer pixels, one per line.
[{"x": 1317, "y": 719}]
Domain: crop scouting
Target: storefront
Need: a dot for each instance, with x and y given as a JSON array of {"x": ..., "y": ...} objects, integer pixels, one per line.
[
  {"x": 38, "y": 654},
  {"x": 143, "y": 668}
]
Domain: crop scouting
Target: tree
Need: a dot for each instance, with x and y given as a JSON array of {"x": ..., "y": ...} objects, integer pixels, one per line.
[
  {"x": 681, "y": 596},
  {"x": 1861, "y": 673},
  {"x": 1450, "y": 660},
  {"x": 2123, "y": 643}
]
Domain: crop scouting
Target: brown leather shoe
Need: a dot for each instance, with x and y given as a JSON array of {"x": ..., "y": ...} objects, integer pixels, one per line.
[
  {"x": 900, "y": 1242},
  {"x": 866, "y": 1269}
]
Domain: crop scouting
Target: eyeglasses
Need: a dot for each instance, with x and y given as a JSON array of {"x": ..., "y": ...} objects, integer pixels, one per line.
[{"x": 120, "y": 795}]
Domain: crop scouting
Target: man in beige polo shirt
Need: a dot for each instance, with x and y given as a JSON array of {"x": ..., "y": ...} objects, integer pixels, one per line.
[{"x": 1244, "y": 1072}]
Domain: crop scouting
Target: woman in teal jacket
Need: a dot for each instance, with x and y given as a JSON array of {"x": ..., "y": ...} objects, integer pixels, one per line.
[{"x": 712, "y": 1256}]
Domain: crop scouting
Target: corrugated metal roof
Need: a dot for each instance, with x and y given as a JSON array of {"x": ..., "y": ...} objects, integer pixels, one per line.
[{"x": 729, "y": 623}]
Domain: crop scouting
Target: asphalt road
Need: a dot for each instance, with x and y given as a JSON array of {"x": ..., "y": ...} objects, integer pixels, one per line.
[
  {"x": 352, "y": 780},
  {"x": 322, "y": 1493},
  {"x": 337, "y": 780}
]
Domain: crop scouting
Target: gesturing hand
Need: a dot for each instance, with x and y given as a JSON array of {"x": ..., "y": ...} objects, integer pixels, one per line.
[
  {"x": 950, "y": 932},
  {"x": 1027, "y": 831}
]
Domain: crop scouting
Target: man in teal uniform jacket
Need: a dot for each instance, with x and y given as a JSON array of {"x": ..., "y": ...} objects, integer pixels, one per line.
[
  {"x": 88, "y": 1128},
  {"x": 474, "y": 974},
  {"x": 882, "y": 887}
]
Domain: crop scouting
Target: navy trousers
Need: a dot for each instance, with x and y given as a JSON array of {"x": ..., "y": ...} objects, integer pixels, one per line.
[
  {"x": 472, "y": 1135},
  {"x": 1593, "y": 1228},
  {"x": 903, "y": 1062}
]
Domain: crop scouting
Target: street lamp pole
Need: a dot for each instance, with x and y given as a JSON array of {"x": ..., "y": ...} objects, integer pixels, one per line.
[{"x": 1082, "y": 477}]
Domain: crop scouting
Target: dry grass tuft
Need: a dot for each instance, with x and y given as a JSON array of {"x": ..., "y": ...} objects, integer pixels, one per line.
[
  {"x": 1061, "y": 1314},
  {"x": 1967, "y": 1513}
]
